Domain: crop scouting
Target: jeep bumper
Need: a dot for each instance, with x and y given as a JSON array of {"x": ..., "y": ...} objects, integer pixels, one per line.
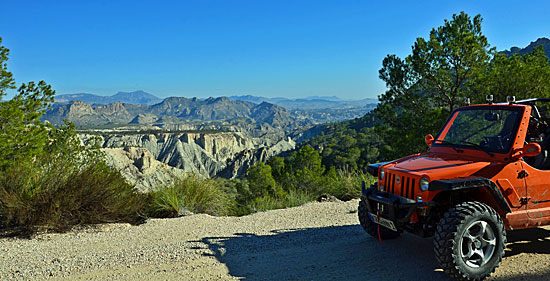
[{"x": 392, "y": 207}]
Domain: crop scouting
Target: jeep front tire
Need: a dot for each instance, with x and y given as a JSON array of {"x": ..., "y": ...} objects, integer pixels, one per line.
[
  {"x": 470, "y": 240},
  {"x": 370, "y": 227}
]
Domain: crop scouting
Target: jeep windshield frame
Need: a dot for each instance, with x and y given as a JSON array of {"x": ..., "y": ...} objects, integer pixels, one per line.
[{"x": 488, "y": 128}]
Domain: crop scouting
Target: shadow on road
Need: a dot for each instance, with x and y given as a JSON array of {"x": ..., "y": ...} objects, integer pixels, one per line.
[
  {"x": 348, "y": 253},
  {"x": 533, "y": 240},
  {"x": 328, "y": 253}
]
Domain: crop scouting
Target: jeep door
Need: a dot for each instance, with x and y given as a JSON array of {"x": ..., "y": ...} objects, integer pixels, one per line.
[{"x": 537, "y": 196}]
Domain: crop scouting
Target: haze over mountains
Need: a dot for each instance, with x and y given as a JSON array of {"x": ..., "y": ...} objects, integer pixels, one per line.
[
  {"x": 174, "y": 110},
  {"x": 141, "y": 97},
  {"x": 312, "y": 102},
  {"x": 139, "y": 107},
  {"x": 137, "y": 97}
]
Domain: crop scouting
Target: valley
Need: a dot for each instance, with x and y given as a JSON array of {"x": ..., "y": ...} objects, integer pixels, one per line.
[
  {"x": 151, "y": 159},
  {"x": 151, "y": 140}
]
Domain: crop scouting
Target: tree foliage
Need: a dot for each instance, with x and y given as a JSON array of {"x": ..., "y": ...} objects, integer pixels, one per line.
[
  {"x": 261, "y": 181},
  {"x": 349, "y": 145},
  {"x": 6, "y": 78},
  {"x": 443, "y": 65},
  {"x": 522, "y": 76},
  {"x": 22, "y": 135},
  {"x": 47, "y": 177},
  {"x": 453, "y": 63},
  {"x": 425, "y": 87}
]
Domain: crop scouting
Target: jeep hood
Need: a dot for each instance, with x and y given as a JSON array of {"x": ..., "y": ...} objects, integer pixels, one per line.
[{"x": 437, "y": 167}]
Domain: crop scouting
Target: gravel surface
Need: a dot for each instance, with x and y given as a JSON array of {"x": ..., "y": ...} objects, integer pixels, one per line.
[{"x": 317, "y": 241}]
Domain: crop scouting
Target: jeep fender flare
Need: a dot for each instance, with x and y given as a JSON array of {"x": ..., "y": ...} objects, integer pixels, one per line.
[{"x": 469, "y": 183}]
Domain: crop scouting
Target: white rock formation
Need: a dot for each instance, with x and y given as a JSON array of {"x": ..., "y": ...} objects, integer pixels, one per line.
[
  {"x": 140, "y": 168},
  {"x": 149, "y": 160}
]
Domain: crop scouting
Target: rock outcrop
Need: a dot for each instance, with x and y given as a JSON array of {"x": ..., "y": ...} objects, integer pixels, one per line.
[
  {"x": 144, "y": 118},
  {"x": 223, "y": 154},
  {"x": 140, "y": 168},
  {"x": 249, "y": 157}
]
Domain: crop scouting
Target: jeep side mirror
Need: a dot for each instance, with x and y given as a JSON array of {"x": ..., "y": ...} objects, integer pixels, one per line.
[
  {"x": 531, "y": 149},
  {"x": 429, "y": 139},
  {"x": 528, "y": 150}
]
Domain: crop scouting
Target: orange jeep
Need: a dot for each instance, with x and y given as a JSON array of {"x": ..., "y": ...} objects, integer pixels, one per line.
[{"x": 486, "y": 172}]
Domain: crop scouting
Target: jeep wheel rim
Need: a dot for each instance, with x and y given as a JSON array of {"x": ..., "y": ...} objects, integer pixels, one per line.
[{"x": 478, "y": 244}]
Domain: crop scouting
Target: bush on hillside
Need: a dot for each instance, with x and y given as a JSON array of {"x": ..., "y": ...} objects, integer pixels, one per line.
[
  {"x": 190, "y": 193},
  {"x": 48, "y": 178}
]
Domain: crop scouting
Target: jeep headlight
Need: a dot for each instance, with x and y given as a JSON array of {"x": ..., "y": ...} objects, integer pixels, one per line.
[
  {"x": 381, "y": 173},
  {"x": 424, "y": 183}
]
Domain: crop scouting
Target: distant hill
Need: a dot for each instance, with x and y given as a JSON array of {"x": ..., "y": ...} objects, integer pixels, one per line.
[
  {"x": 173, "y": 110},
  {"x": 545, "y": 42},
  {"x": 137, "y": 97},
  {"x": 196, "y": 109},
  {"x": 139, "y": 107},
  {"x": 249, "y": 98},
  {"x": 312, "y": 102}
]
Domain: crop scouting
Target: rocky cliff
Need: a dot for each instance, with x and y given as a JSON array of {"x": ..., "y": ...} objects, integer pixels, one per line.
[
  {"x": 140, "y": 168},
  {"x": 223, "y": 154}
]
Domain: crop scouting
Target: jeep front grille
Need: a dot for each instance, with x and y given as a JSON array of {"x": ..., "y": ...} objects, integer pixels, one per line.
[{"x": 405, "y": 188}]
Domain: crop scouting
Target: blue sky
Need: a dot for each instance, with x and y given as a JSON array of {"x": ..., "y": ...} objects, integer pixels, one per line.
[{"x": 232, "y": 47}]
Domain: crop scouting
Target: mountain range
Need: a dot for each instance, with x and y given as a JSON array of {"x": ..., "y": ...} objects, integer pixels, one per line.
[
  {"x": 186, "y": 112},
  {"x": 139, "y": 107},
  {"x": 312, "y": 102},
  {"x": 141, "y": 97},
  {"x": 137, "y": 97},
  {"x": 545, "y": 42}
]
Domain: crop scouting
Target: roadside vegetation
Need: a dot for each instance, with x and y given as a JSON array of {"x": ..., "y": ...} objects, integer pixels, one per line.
[
  {"x": 281, "y": 183},
  {"x": 49, "y": 180},
  {"x": 190, "y": 194}
]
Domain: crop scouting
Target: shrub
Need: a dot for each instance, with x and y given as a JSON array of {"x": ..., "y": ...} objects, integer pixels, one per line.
[
  {"x": 57, "y": 195},
  {"x": 261, "y": 182},
  {"x": 292, "y": 198},
  {"x": 48, "y": 179},
  {"x": 190, "y": 193},
  {"x": 346, "y": 185}
]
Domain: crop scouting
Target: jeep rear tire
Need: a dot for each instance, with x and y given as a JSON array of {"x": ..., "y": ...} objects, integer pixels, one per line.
[
  {"x": 371, "y": 227},
  {"x": 470, "y": 240}
]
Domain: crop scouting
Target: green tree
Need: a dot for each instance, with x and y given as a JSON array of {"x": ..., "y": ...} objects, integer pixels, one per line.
[
  {"x": 22, "y": 135},
  {"x": 261, "y": 182},
  {"x": 348, "y": 145},
  {"x": 6, "y": 77},
  {"x": 278, "y": 168},
  {"x": 308, "y": 158},
  {"x": 426, "y": 86},
  {"x": 444, "y": 64},
  {"x": 47, "y": 177},
  {"x": 523, "y": 76}
]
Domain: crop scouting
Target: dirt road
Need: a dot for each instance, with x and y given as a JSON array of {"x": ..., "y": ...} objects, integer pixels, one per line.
[{"x": 317, "y": 241}]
